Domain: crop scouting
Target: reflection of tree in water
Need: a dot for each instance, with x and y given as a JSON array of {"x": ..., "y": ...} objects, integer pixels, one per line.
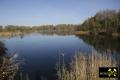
[
  {"x": 86, "y": 66},
  {"x": 8, "y": 64},
  {"x": 103, "y": 43},
  {"x": 57, "y": 32},
  {"x": 21, "y": 36}
]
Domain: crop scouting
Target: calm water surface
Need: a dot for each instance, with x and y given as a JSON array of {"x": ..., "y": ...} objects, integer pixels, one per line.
[{"x": 41, "y": 52}]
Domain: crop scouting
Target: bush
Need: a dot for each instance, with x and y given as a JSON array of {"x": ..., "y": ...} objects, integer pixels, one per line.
[{"x": 8, "y": 67}]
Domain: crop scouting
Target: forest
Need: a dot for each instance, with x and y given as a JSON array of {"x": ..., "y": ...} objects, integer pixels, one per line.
[{"x": 104, "y": 22}]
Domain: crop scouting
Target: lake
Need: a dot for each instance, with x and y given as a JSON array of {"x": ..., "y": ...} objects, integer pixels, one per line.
[{"x": 41, "y": 51}]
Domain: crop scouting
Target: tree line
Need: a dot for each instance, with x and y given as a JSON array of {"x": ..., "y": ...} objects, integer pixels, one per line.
[
  {"x": 107, "y": 21},
  {"x": 60, "y": 27}
]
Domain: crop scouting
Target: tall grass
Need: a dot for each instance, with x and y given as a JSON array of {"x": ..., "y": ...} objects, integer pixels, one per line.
[
  {"x": 86, "y": 66},
  {"x": 8, "y": 67}
]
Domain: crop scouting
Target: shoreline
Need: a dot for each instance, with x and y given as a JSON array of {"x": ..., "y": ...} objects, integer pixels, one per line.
[{"x": 78, "y": 33}]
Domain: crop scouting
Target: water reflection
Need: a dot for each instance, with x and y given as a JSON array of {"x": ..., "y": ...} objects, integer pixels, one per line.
[
  {"x": 21, "y": 35},
  {"x": 41, "y": 53},
  {"x": 57, "y": 32},
  {"x": 103, "y": 43}
]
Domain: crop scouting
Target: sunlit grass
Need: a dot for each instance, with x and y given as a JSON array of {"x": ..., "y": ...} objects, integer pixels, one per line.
[
  {"x": 86, "y": 66},
  {"x": 81, "y": 32}
]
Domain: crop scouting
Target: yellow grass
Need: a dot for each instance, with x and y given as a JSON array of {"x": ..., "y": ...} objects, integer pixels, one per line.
[
  {"x": 10, "y": 33},
  {"x": 82, "y": 33},
  {"x": 86, "y": 67}
]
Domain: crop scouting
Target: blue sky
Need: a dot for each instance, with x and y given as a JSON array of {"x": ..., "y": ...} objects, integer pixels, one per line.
[{"x": 39, "y": 12}]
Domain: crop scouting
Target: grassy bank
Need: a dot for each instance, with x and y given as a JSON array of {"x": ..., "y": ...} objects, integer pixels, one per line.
[
  {"x": 81, "y": 33},
  {"x": 10, "y": 33}
]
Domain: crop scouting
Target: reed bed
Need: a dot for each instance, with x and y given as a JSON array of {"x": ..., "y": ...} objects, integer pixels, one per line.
[
  {"x": 86, "y": 66},
  {"x": 11, "y": 33},
  {"x": 9, "y": 67}
]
